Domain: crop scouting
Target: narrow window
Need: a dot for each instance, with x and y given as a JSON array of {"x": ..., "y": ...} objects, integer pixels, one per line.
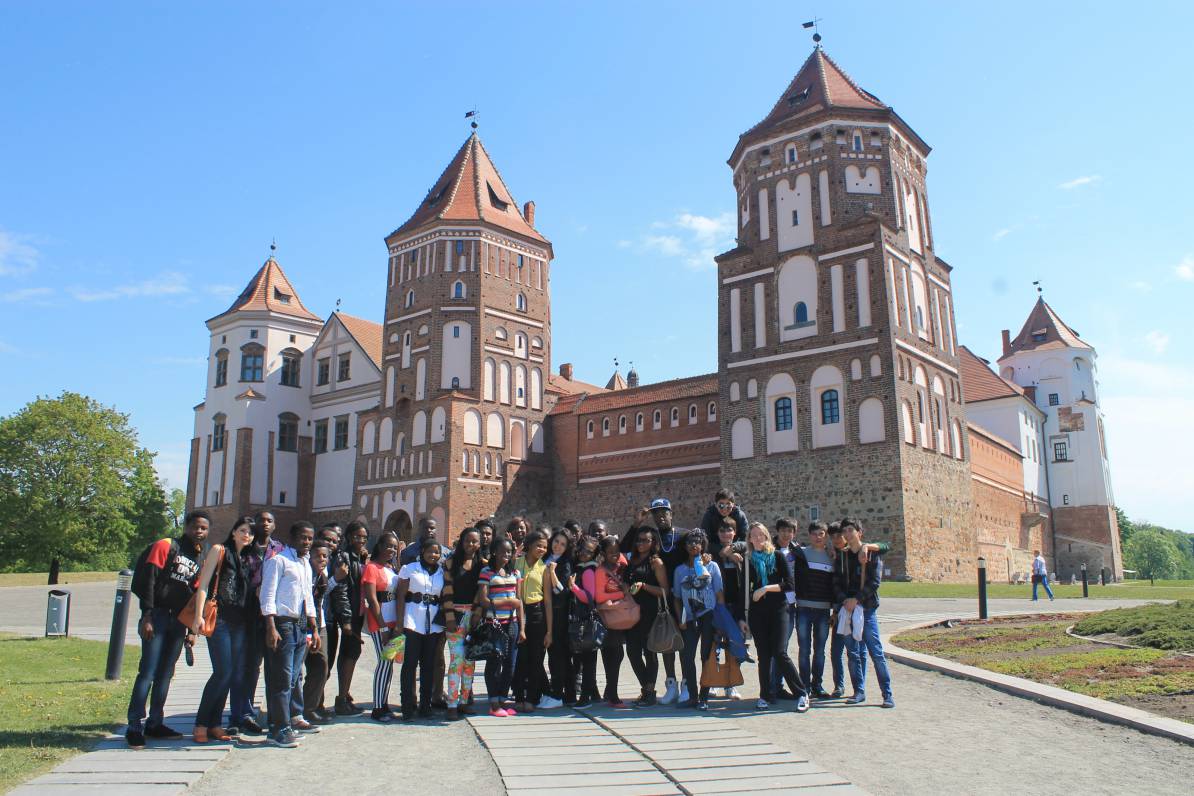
[
  {"x": 288, "y": 432},
  {"x": 340, "y": 442},
  {"x": 1054, "y": 399},
  {"x": 830, "y": 409},
  {"x": 344, "y": 367},
  {"x": 221, "y": 368},
  {"x": 321, "y": 436},
  {"x": 800, "y": 313},
  {"x": 795, "y": 218},
  {"x": 858, "y": 142},
  {"x": 460, "y": 247},
  {"x": 455, "y": 382},
  {"x": 458, "y": 290},
  {"x": 589, "y": 430},
  {"x": 783, "y": 414},
  {"x": 290, "y": 370},
  {"x": 1060, "y": 454},
  {"x": 521, "y": 303},
  {"x": 657, "y": 419},
  {"x": 456, "y": 331},
  {"x": 410, "y": 299},
  {"x": 217, "y": 433},
  {"x": 323, "y": 371}
]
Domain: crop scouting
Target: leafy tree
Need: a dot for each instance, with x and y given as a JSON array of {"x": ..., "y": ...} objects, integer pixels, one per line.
[
  {"x": 176, "y": 507},
  {"x": 1152, "y": 554},
  {"x": 73, "y": 483},
  {"x": 149, "y": 511},
  {"x": 1126, "y": 526}
]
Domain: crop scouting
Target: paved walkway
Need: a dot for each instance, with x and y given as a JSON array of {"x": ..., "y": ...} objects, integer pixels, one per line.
[{"x": 945, "y": 736}]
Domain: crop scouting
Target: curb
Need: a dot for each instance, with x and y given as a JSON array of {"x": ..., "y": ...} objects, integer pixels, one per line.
[{"x": 1095, "y": 708}]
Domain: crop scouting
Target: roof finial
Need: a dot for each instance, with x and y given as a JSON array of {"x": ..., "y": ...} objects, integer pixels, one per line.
[
  {"x": 472, "y": 115},
  {"x": 273, "y": 247},
  {"x": 337, "y": 305},
  {"x": 812, "y": 23},
  {"x": 1039, "y": 290}
]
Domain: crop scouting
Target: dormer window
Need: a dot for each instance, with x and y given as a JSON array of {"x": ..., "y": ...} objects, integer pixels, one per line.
[
  {"x": 798, "y": 97},
  {"x": 280, "y": 297},
  {"x": 434, "y": 198},
  {"x": 1039, "y": 336},
  {"x": 815, "y": 141},
  {"x": 495, "y": 201}
]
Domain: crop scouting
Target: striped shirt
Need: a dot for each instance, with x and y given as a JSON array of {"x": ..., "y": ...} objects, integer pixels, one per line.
[{"x": 501, "y": 587}]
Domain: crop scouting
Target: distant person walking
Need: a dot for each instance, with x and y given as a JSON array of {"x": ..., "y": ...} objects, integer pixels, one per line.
[{"x": 1040, "y": 575}]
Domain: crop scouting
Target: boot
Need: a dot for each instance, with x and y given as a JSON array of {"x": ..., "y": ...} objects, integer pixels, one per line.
[
  {"x": 671, "y": 694},
  {"x": 646, "y": 699}
]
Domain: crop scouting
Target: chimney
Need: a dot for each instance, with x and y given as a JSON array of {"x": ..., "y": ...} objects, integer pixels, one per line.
[
  {"x": 1007, "y": 342},
  {"x": 566, "y": 368},
  {"x": 528, "y": 212}
]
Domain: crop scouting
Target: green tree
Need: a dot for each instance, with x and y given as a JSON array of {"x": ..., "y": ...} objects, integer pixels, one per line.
[
  {"x": 1126, "y": 526},
  {"x": 1152, "y": 554},
  {"x": 149, "y": 513},
  {"x": 176, "y": 507},
  {"x": 73, "y": 484}
]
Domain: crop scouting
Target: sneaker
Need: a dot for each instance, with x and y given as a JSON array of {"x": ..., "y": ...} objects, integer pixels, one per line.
[
  {"x": 857, "y": 698},
  {"x": 671, "y": 694},
  {"x": 316, "y": 718},
  {"x": 684, "y": 697},
  {"x": 732, "y": 693},
  {"x": 162, "y": 731},
  {"x": 135, "y": 739},
  {"x": 702, "y": 705},
  {"x": 346, "y": 708},
  {"x": 302, "y": 725},
  {"x": 249, "y": 726},
  {"x": 802, "y": 704},
  {"x": 837, "y": 694},
  {"x": 425, "y": 712},
  {"x": 381, "y": 714},
  {"x": 762, "y": 704},
  {"x": 498, "y": 713},
  {"x": 888, "y": 702},
  {"x": 326, "y": 714},
  {"x": 510, "y": 711},
  {"x": 821, "y": 693},
  {"x": 646, "y": 700},
  {"x": 584, "y": 701},
  {"x": 549, "y": 703},
  {"x": 286, "y": 738},
  {"x": 453, "y": 714}
]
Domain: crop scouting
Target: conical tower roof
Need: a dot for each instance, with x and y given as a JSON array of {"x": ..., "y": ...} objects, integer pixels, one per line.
[
  {"x": 616, "y": 382},
  {"x": 471, "y": 189},
  {"x": 1044, "y": 329},
  {"x": 271, "y": 291}
]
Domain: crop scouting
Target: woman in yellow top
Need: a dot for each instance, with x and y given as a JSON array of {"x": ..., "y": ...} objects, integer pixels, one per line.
[{"x": 529, "y": 676}]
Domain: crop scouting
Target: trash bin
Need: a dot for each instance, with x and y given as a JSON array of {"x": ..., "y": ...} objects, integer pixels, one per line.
[{"x": 58, "y": 613}]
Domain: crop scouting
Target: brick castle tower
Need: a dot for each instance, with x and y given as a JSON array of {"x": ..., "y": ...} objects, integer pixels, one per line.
[{"x": 838, "y": 367}]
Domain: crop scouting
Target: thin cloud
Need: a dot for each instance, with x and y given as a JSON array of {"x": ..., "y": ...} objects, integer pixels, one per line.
[
  {"x": 17, "y": 255},
  {"x": 25, "y": 294},
  {"x": 1001, "y": 234},
  {"x": 692, "y": 238},
  {"x": 1078, "y": 182},
  {"x": 222, "y": 291},
  {"x": 1157, "y": 340},
  {"x": 5, "y": 348},
  {"x": 167, "y": 284},
  {"x": 1185, "y": 269}
]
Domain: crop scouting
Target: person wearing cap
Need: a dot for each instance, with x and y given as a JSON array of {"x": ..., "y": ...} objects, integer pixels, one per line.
[
  {"x": 724, "y": 505},
  {"x": 674, "y": 553}
]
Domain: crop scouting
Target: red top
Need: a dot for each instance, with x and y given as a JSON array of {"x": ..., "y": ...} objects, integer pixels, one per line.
[{"x": 385, "y": 579}]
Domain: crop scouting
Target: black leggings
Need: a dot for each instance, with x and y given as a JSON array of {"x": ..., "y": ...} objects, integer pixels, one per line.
[
  {"x": 418, "y": 654},
  {"x": 559, "y": 658},
  {"x": 772, "y": 629},
  {"x": 528, "y": 669},
  {"x": 644, "y": 662},
  {"x": 612, "y": 652}
]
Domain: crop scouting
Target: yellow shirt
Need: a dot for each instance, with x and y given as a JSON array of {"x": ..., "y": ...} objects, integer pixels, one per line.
[{"x": 532, "y": 580}]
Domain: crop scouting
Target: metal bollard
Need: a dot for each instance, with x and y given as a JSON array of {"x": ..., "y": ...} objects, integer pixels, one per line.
[
  {"x": 120, "y": 621},
  {"x": 1085, "y": 585},
  {"x": 982, "y": 588}
]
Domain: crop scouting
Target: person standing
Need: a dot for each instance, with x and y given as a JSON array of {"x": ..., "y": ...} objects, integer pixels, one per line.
[
  {"x": 170, "y": 577},
  {"x": 317, "y": 666},
  {"x": 649, "y": 587},
  {"x": 516, "y": 532},
  {"x": 812, "y": 571},
  {"x": 497, "y": 597},
  {"x": 379, "y": 582},
  {"x": 672, "y": 551},
  {"x": 856, "y": 579},
  {"x": 264, "y": 547},
  {"x": 724, "y": 505},
  {"x": 1040, "y": 575},
  {"x": 534, "y": 592},
  {"x": 224, "y": 577},
  {"x": 289, "y": 613},
  {"x": 420, "y": 586},
  {"x": 347, "y": 613},
  {"x": 559, "y": 657},
  {"x": 837, "y": 646},
  {"x": 768, "y": 579},
  {"x": 584, "y": 664},
  {"x": 460, "y": 591},
  {"x": 697, "y": 589},
  {"x": 730, "y": 556}
]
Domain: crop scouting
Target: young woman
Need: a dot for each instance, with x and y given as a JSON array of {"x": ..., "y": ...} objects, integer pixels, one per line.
[
  {"x": 603, "y": 584},
  {"x": 486, "y": 530},
  {"x": 224, "y": 575},
  {"x": 347, "y": 612},
  {"x": 379, "y": 581},
  {"x": 697, "y": 589},
  {"x": 583, "y": 570},
  {"x": 559, "y": 657},
  {"x": 516, "y": 532},
  {"x": 648, "y": 585},
  {"x": 535, "y": 594},
  {"x": 460, "y": 590},
  {"x": 497, "y": 596},
  {"x": 730, "y": 556},
  {"x": 769, "y": 581},
  {"x": 420, "y": 585}
]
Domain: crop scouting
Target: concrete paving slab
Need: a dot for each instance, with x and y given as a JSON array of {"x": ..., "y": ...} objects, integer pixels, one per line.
[
  {"x": 97, "y": 788},
  {"x": 605, "y": 790},
  {"x": 634, "y": 762},
  {"x": 571, "y": 754},
  {"x": 788, "y": 783},
  {"x": 592, "y": 778},
  {"x": 674, "y": 764},
  {"x": 112, "y": 778},
  {"x": 717, "y": 754},
  {"x": 709, "y": 742},
  {"x": 556, "y": 743},
  {"x": 130, "y": 762},
  {"x": 745, "y": 771}
]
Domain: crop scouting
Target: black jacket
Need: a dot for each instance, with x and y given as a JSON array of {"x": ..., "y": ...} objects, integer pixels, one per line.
[
  {"x": 712, "y": 521},
  {"x": 851, "y": 579},
  {"x": 813, "y": 585},
  {"x": 782, "y": 575},
  {"x": 345, "y": 599}
]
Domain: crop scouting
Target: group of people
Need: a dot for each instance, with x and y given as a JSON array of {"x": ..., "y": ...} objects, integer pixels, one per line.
[{"x": 514, "y": 597}]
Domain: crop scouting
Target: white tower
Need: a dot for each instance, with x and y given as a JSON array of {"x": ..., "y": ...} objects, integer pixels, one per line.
[{"x": 1057, "y": 369}]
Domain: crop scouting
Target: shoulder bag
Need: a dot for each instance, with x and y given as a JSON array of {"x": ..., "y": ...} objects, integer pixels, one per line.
[
  {"x": 210, "y": 607},
  {"x": 721, "y": 670},
  {"x": 620, "y": 614},
  {"x": 664, "y": 635},
  {"x": 586, "y": 631}
]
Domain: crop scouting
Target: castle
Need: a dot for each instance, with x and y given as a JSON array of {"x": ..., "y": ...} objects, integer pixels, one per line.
[{"x": 840, "y": 387}]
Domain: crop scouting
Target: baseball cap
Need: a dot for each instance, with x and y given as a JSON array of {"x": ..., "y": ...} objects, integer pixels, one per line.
[{"x": 660, "y": 504}]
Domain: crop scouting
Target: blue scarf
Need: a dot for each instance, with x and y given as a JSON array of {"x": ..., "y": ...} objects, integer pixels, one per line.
[{"x": 764, "y": 564}]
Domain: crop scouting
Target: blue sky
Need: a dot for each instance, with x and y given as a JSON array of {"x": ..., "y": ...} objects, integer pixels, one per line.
[{"x": 150, "y": 151}]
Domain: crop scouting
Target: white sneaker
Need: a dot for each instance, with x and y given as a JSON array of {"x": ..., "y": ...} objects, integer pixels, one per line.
[
  {"x": 683, "y": 693},
  {"x": 549, "y": 703},
  {"x": 669, "y": 696},
  {"x": 732, "y": 693}
]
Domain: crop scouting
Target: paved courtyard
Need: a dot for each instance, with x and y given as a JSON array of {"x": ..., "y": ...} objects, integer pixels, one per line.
[{"x": 946, "y": 736}]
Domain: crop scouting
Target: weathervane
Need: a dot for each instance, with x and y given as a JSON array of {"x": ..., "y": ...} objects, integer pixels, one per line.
[
  {"x": 816, "y": 30},
  {"x": 273, "y": 247},
  {"x": 337, "y": 305},
  {"x": 472, "y": 115},
  {"x": 1039, "y": 290}
]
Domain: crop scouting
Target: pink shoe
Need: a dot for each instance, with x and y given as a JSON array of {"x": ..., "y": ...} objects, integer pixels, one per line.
[
  {"x": 511, "y": 712},
  {"x": 499, "y": 713}
]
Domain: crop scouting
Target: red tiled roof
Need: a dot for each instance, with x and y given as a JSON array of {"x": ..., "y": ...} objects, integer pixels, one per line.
[
  {"x": 367, "y": 334},
  {"x": 269, "y": 289},
  {"x": 471, "y": 189},
  {"x": 690, "y": 387},
  {"x": 979, "y": 382},
  {"x": 994, "y": 439},
  {"x": 558, "y": 384},
  {"x": 1044, "y": 323}
]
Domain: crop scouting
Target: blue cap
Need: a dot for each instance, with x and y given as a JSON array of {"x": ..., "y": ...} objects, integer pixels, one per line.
[{"x": 661, "y": 503}]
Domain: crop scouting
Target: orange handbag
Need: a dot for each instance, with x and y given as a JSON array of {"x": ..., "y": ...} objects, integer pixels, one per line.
[
  {"x": 187, "y": 615},
  {"x": 721, "y": 670}
]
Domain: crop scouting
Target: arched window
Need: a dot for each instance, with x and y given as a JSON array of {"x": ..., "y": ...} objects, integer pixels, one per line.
[
  {"x": 830, "y": 410},
  {"x": 742, "y": 439},
  {"x": 605, "y": 426},
  {"x": 735, "y": 392},
  {"x": 291, "y": 361},
  {"x": 692, "y": 413},
  {"x": 712, "y": 411},
  {"x": 638, "y": 422},
  {"x": 622, "y": 424},
  {"x": 221, "y": 367},
  {"x": 791, "y": 153},
  {"x": 500, "y": 333},
  {"x": 675, "y": 415},
  {"x": 458, "y": 289},
  {"x": 589, "y": 430},
  {"x": 857, "y": 141},
  {"x": 656, "y": 419},
  {"x": 455, "y": 382},
  {"x": 783, "y": 414},
  {"x": 800, "y": 312},
  {"x": 410, "y": 299},
  {"x": 521, "y": 302},
  {"x": 252, "y": 362},
  {"x": 472, "y": 427},
  {"x": 288, "y": 432}
]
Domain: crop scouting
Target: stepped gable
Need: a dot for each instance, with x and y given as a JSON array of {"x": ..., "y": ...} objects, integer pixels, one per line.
[
  {"x": 367, "y": 334},
  {"x": 471, "y": 189},
  {"x": 1044, "y": 330},
  {"x": 979, "y": 382},
  {"x": 269, "y": 290}
]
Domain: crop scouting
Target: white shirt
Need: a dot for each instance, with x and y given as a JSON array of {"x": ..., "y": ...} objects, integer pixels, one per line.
[
  {"x": 286, "y": 587},
  {"x": 1038, "y": 566},
  {"x": 418, "y": 614}
]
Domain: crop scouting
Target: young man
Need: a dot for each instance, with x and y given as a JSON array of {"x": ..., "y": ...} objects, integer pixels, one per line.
[
  {"x": 317, "y": 665},
  {"x": 724, "y": 505},
  {"x": 673, "y": 552},
  {"x": 809, "y": 604},
  {"x": 288, "y": 610},
  {"x": 428, "y": 534},
  {"x": 264, "y": 547},
  {"x": 170, "y": 580},
  {"x": 1040, "y": 575},
  {"x": 856, "y": 579},
  {"x": 347, "y": 614}
]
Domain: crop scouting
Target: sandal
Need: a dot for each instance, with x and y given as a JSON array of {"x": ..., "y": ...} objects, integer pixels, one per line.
[
  {"x": 199, "y": 734},
  {"x": 218, "y": 734}
]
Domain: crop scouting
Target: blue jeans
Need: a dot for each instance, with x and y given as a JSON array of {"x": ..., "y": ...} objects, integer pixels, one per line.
[
  {"x": 226, "y": 648},
  {"x": 244, "y": 688},
  {"x": 499, "y": 667},
  {"x": 284, "y": 674},
  {"x": 158, "y": 656},
  {"x": 1045, "y": 583},
  {"x": 812, "y": 629},
  {"x": 837, "y": 648},
  {"x": 872, "y": 644},
  {"x": 697, "y": 631}
]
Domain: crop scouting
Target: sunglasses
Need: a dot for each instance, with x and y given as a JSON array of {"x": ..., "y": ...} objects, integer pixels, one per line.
[
  {"x": 724, "y": 506},
  {"x": 644, "y": 540},
  {"x": 695, "y": 543}
]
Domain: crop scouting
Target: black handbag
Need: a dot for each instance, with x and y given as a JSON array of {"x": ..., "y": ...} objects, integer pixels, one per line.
[
  {"x": 586, "y": 631},
  {"x": 482, "y": 641}
]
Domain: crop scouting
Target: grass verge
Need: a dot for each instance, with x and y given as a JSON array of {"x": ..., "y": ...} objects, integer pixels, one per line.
[
  {"x": 56, "y": 702},
  {"x": 1130, "y": 590},
  {"x": 1165, "y": 627},
  {"x": 41, "y": 578}
]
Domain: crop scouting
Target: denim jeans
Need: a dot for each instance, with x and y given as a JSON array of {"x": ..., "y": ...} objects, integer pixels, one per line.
[
  {"x": 872, "y": 644},
  {"x": 244, "y": 688},
  {"x": 699, "y": 630},
  {"x": 158, "y": 656},
  {"x": 812, "y": 629},
  {"x": 499, "y": 667},
  {"x": 284, "y": 666},
  {"x": 837, "y": 649},
  {"x": 1045, "y": 583},
  {"x": 226, "y": 648}
]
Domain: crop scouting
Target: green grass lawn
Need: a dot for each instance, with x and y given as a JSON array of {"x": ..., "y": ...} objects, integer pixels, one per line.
[
  {"x": 56, "y": 702},
  {"x": 1128, "y": 590},
  {"x": 42, "y": 578},
  {"x": 1164, "y": 627}
]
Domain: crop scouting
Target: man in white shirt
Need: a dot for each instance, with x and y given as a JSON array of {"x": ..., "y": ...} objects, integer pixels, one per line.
[
  {"x": 288, "y": 609},
  {"x": 1040, "y": 575}
]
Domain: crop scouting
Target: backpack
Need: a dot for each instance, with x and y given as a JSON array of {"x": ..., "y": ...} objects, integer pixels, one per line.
[{"x": 140, "y": 586}]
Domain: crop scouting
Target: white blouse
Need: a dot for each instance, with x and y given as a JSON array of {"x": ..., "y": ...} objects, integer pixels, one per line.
[{"x": 419, "y": 614}]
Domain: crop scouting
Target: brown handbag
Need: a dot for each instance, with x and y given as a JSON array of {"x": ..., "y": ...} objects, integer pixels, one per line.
[
  {"x": 721, "y": 670},
  {"x": 187, "y": 615},
  {"x": 664, "y": 636},
  {"x": 620, "y": 614}
]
